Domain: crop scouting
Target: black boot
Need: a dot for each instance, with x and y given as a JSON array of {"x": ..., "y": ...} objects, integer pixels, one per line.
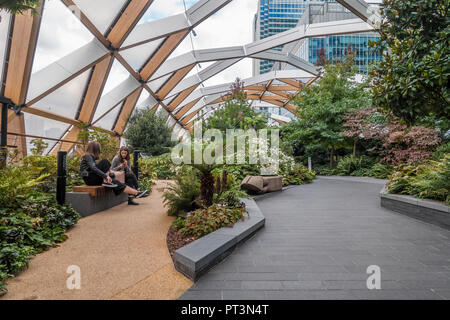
[{"x": 132, "y": 203}]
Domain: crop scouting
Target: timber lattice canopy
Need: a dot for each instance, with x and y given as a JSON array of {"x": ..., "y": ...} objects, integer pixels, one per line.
[{"x": 54, "y": 101}]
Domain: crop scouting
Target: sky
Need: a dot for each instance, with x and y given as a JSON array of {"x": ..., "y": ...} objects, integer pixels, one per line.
[{"x": 61, "y": 33}]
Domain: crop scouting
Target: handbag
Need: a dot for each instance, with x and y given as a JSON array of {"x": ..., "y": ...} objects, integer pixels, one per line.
[{"x": 119, "y": 176}]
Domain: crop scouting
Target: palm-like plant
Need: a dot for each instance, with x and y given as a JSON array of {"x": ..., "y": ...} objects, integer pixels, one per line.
[{"x": 19, "y": 6}]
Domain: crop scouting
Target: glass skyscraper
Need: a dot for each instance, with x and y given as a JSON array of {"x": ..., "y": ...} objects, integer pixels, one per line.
[{"x": 276, "y": 16}]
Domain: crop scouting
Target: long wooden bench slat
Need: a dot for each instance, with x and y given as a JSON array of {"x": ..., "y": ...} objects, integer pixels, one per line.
[{"x": 94, "y": 191}]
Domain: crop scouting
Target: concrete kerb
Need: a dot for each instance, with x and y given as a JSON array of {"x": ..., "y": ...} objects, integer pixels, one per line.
[
  {"x": 196, "y": 258},
  {"x": 430, "y": 211}
]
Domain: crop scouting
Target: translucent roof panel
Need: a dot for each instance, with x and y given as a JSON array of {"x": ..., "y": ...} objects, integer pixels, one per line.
[
  {"x": 117, "y": 75},
  {"x": 155, "y": 85},
  {"x": 107, "y": 121},
  {"x": 60, "y": 34},
  {"x": 139, "y": 55},
  {"x": 4, "y": 30},
  {"x": 164, "y": 8},
  {"x": 242, "y": 69},
  {"x": 65, "y": 100},
  {"x": 102, "y": 13},
  {"x": 43, "y": 127}
]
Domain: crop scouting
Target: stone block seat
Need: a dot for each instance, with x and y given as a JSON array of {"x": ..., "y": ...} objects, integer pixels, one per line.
[
  {"x": 262, "y": 184},
  {"x": 87, "y": 200}
]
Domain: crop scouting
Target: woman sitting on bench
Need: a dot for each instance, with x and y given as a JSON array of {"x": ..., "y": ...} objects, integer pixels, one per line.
[
  {"x": 122, "y": 162},
  {"x": 98, "y": 174}
]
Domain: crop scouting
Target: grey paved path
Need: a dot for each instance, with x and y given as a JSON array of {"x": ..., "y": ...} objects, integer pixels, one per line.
[{"x": 319, "y": 240}]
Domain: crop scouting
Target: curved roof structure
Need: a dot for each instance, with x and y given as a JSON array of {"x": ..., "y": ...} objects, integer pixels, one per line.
[{"x": 54, "y": 100}]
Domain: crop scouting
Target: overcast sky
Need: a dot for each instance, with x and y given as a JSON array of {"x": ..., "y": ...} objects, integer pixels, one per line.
[{"x": 61, "y": 33}]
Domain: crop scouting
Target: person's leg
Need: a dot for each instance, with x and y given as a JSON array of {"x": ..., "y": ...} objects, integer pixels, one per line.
[
  {"x": 93, "y": 180},
  {"x": 131, "y": 180},
  {"x": 104, "y": 165}
]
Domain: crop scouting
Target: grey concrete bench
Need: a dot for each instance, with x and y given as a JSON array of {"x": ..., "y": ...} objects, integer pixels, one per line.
[{"x": 87, "y": 200}]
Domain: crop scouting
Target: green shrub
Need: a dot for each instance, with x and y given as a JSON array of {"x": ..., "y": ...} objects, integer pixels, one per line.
[
  {"x": 205, "y": 221},
  {"x": 228, "y": 189},
  {"x": 181, "y": 196},
  {"x": 349, "y": 164},
  {"x": 430, "y": 180},
  {"x": 298, "y": 174},
  {"x": 30, "y": 219},
  {"x": 161, "y": 166},
  {"x": 378, "y": 170}
]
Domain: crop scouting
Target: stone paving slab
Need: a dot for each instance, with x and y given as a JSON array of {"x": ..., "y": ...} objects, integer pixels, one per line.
[{"x": 319, "y": 240}]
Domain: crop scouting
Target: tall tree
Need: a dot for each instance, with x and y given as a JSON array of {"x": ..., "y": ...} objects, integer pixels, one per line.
[
  {"x": 236, "y": 112},
  {"x": 412, "y": 80},
  {"x": 147, "y": 132},
  {"x": 322, "y": 106}
]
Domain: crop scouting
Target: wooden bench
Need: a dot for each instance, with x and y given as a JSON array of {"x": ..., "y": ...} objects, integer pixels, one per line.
[
  {"x": 87, "y": 200},
  {"x": 94, "y": 191}
]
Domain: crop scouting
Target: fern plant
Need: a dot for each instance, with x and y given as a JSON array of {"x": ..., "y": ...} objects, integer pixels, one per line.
[{"x": 181, "y": 195}]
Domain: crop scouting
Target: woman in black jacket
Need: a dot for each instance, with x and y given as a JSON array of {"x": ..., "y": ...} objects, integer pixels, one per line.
[{"x": 97, "y": 174}]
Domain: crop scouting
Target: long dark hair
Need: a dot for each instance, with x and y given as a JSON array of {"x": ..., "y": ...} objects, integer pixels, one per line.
[
  {"x": 124, "y": 148},
  {"x": 94, "y": 149}
]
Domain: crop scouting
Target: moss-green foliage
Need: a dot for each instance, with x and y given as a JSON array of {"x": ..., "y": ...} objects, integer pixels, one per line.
[
  {"x": 30, "y": 219},
  {"x": 161, "y": 166},
  {"x": 429, "y": 180},
  {"x": 207, "y": 220}
]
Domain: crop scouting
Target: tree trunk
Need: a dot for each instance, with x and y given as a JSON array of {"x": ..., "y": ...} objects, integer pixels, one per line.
[
  {"x": 332, "y": 156},
  {"x": 354, "y": 147},
  {"x": 207, "y": 188}
]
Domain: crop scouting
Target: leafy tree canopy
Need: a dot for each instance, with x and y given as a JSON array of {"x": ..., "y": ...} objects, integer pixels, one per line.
[
  {"x": 412, "y": 81},
  {"x": 236, "y": 112},
  {"x": 147, "y": 132},
  {"x": 322, "y": 106}
]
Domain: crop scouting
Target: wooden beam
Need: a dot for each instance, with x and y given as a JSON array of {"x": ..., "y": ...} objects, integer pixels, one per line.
[
  {"x": 292, "y": 82},
  {"x": 67, "y": 146},
  {"x": 181, "y": 97},
  {"x": 186, "y": 108},
  {"x": 127, "y": 109},
  {"x": 127, "y": 21},
  {"x": 281, "y": 94},
  {"x": 173, "y": 81},
  {"x": 189, "y": 117},
  {"x": 21, "y": 54},
  {"x": 163, "y": 52},
  {"x": 279, "y": 121},
  {"x": 40, "y": 137},
  {"x": 90, "y": 100},
  {"x": 95, "y": 89}
]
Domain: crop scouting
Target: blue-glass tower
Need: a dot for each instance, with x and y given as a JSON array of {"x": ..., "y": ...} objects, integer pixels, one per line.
[{"x": 275, "y": 16}]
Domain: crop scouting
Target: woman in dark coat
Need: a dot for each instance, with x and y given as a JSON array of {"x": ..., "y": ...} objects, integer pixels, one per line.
[{"x": 98, "y": 174}]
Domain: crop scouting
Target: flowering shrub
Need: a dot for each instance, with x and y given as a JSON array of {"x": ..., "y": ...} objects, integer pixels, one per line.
[
  {"x": 399, "y": 144},
  {"x": 404, "y": 145}
]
